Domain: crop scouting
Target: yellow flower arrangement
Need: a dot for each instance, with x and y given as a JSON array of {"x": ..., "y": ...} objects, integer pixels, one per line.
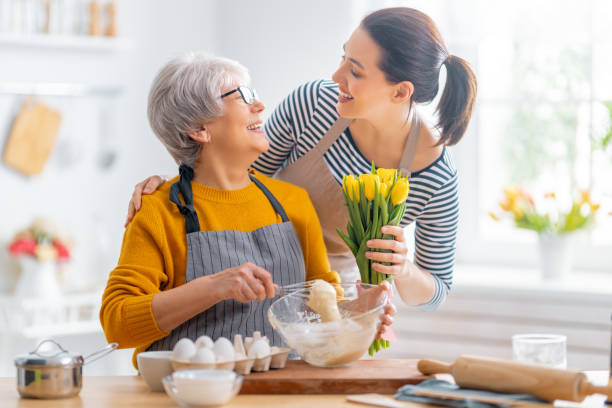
[{"x": 522, "y": 208}]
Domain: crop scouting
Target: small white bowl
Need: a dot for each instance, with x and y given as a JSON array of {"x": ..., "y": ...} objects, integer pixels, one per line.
[
  {"x": 153, "y": 366},
  {"x": 202, "y": 388}
]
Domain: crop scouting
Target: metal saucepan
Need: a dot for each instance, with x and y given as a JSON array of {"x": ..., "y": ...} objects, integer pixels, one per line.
[{"x": 57, "y": 375}]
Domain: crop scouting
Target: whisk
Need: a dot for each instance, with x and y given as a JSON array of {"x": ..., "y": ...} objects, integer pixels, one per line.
[{"x": 291, "y": 289}]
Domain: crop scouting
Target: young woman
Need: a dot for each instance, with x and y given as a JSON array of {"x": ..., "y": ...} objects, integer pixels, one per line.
[{"x": 326, "y": 129}]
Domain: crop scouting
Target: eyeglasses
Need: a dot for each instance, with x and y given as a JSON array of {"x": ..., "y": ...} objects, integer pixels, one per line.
[{"x": 248, "y": 95}]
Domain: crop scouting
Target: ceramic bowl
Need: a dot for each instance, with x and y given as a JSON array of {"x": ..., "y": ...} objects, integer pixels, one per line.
[
  {"x": 153, "y": 366},
  {"x": 202, "y": 388}
]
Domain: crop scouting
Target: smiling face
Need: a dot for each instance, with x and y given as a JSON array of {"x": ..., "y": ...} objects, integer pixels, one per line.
[
  {"x": 238, "y": 133},
  {"x": 364, "y": 90}
]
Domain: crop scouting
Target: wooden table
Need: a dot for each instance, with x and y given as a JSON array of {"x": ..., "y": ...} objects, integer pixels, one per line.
[{"x": 131, "y": 391}]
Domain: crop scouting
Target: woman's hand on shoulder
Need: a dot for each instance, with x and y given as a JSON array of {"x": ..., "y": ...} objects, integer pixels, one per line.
[
  {"x": 244, "y": 283},
  {"x": 147, "y": 186}
]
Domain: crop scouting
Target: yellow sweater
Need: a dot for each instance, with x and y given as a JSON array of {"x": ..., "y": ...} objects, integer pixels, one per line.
[{"x": 154, "y": 250}]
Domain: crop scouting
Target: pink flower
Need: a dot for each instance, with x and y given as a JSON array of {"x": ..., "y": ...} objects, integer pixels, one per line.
[
  {"x": 62, "y": 252},
  {"x": 23, "y": 246}
]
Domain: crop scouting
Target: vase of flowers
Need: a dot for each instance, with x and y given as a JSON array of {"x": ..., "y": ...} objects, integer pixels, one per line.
[
  {"x": 39, "y": 248},
  {"x": 555, "y": 224},
  {"x": 556, "y": 255}
]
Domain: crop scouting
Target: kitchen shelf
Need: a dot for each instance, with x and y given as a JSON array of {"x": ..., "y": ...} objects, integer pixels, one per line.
[
  {"x": 57, "y": 89},
  {"x": 65, "y": 42},
  {"x": 37, "y": 318}
]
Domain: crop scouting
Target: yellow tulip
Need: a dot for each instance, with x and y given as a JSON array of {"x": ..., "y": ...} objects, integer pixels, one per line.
[
  {"x": 384, "y": 189},
  {"x": 356, "y": 192},
  {"x": 511, "y": 192},
  {"x": 585, "y": 196},
  {"x": 507, "y": 204},
  {"x": 348, "y": 183},
  {"x": 386, "y": 175},
  {"x": 517, "y": 201},
  {"x": 517, "y": 210},
  {"x": 351, "y": 187},
  {"x": 369, "y": 184},
  {"x": 400, "y": 191}
]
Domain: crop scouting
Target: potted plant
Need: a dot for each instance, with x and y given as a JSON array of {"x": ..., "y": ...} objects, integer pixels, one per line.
[
  {"x": 39, "y": 248},
  {"x": 554, "y": 222}
]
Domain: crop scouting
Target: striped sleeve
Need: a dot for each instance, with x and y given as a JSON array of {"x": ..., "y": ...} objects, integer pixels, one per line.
[
  {"x": 289, "y": 120},
  {"x": 435, "y": 236}
]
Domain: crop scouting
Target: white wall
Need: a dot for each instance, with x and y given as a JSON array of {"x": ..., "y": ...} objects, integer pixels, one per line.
[{"x": 286, "y": 43}]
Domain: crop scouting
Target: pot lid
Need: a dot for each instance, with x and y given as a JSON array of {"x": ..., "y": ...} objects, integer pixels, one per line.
[{"x": 56, "y": 356}]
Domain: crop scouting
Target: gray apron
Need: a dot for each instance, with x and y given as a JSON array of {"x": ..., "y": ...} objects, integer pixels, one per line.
[
  {"x": 312, "y": 173},
  {"x": 275, "y": 247}
]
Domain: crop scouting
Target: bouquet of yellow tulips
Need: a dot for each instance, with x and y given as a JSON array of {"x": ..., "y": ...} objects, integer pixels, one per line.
[{"x": 373, "y": 200}]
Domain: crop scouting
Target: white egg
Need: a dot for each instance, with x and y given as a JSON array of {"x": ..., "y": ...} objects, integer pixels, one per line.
[
  {"x": 259, "y": 349},
  {"x": 204, "y": 342},
  {"x": 184, "y": 350},
  {"x": 204, "y": 355},
  {"x": 224, "y": 350}
]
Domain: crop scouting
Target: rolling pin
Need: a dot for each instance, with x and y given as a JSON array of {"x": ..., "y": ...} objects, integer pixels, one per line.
[{"x": 511, "y": 377}]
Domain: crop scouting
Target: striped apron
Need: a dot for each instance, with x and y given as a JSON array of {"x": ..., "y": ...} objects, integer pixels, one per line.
[{"x": 275, "y": 247}]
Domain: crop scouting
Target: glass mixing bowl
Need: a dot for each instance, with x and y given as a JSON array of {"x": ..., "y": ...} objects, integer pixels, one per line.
[{"x": 329, "y": 344}]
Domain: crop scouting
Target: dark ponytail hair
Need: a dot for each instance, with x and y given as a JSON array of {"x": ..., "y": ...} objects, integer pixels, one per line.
[{"x": 413, "y": 50}]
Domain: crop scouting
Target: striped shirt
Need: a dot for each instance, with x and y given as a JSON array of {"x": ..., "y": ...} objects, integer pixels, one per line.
[{"x": 299, "y": 123}]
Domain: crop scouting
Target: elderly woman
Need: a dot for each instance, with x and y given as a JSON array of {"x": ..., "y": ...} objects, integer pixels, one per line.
[{"x": 206, "y": 250}]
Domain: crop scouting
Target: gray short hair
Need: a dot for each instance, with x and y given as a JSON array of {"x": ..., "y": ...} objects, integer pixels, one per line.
[{"x": 184, "y": 95}]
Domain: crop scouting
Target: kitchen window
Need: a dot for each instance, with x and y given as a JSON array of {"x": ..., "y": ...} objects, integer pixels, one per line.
[{"x": 542, "y": 117}]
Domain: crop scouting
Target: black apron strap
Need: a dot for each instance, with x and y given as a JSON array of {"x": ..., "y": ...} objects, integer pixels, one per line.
[
  {"x": 277, "y": 206},
  {"x": 183, "y": 186}
]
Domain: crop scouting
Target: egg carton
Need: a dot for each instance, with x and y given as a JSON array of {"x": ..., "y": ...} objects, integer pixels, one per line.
[{"x": 252, "y": 354}]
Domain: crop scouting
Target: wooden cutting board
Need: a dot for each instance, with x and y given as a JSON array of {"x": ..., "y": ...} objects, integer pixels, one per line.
[
  {"x": 32, "y": 137},
  {"x": 360, "y": 377}
]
